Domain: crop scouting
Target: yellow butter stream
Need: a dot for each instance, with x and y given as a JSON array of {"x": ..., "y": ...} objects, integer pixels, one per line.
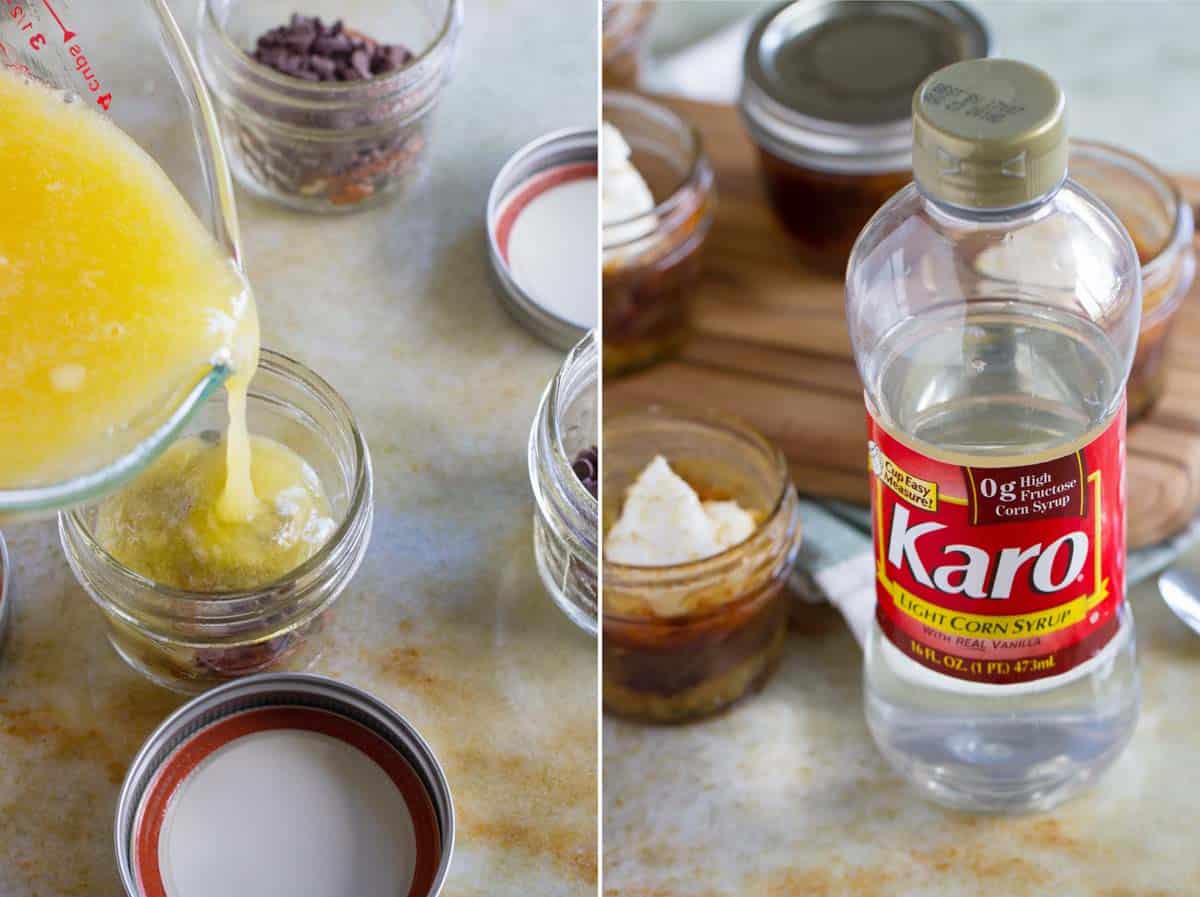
[
  {"x": 167, "y": 524},
  {"x": 115, "y": 299}
]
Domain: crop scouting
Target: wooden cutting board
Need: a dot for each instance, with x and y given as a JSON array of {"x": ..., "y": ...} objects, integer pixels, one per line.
[{"x": 771, "y": 346}]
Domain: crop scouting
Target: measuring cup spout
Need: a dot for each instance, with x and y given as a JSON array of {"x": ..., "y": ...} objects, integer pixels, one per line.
[{"x": 148, "y": 84}]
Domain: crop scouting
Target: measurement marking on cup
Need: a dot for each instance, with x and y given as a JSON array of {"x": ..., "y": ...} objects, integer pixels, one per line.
[
  {"x": 17, "y": 13},
  {"x": 67, "y": 33},
  {"x": 20, "y": 13}
]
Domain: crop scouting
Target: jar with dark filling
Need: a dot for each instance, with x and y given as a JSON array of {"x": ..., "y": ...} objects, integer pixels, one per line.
[
  {"x": 328, "y": 146},
  {"x": 651, "y": 262},
  {"x": 686, "y": 640},
  {"x": 1160, "y": 222},
  {"x": 826, "y": 99}
]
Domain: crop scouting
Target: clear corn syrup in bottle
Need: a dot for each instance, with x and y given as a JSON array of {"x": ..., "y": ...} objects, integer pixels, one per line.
[{"x": 993, "y": 308}]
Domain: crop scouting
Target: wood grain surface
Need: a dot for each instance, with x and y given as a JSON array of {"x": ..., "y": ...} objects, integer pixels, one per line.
[{"x": 770, "y": 345}]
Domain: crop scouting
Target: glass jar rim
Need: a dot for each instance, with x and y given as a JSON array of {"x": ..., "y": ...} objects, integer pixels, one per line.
[
  {"x": 624, "y": 20},
  {"x": 1182, "y": 228},
  {"x": 697, "y": 165},
  {"x": 285, "y": 366},
  {"x": 584, "y": 508},
  {"x": 6, "y": 585},
  {"x": 714, "y": 564},
  {"x": 832, "y": 146},
  {"x": 824, "y": 146},
  {"x": 717, "y": 610},
  {"x": 317, "y": 91},
  {"x": 584, "y": 354}
]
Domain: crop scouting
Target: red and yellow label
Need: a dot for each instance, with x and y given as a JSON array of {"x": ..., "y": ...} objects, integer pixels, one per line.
[{"x": 999, "y": 574}]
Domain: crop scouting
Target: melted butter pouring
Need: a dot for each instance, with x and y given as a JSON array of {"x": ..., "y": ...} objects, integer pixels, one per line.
[
  {"x": 114, "y": 302},
  {"x": 170, "y": 523},
  {"x": 237, "y": 502}
]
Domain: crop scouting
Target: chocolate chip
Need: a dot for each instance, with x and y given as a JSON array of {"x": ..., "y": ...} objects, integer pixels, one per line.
[
  {"x": 361, "y": 63},
  {"x": 331, "y": 45},
  {"x": 300, "y": 41},
  {"x": 323, "y": 67},
  {"x": 587, "y": 468},
  {"x": 309, "y": 49},
  {"x": 388, "y": 58}
]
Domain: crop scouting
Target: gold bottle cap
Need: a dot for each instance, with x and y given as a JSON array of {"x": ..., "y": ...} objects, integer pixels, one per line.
[{"x": 989, "y": 134}]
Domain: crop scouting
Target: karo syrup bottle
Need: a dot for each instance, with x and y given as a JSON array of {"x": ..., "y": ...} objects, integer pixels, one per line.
[{"x": 993, "y": 307}]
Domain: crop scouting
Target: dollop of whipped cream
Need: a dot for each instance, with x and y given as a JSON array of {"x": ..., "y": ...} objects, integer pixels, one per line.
[
  {"x": 664, "y": 522},
  {"x": 624, "y": 193}
]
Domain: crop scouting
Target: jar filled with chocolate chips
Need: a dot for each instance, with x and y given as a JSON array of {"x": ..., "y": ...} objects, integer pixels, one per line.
[{"x": 327, "y": 114}]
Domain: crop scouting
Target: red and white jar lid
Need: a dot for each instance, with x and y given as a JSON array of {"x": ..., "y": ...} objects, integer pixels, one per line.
[{"x": 285, "y": 785}]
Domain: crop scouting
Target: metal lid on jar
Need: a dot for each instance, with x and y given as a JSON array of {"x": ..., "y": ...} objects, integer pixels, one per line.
[
  {"x": 829, "y": 85},
  {"x": 284, "y": 784},
  {"x": 543, "y": 212},
  {"x": 989, "y": 134}
]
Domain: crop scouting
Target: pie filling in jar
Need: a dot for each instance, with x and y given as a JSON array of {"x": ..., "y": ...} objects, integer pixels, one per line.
[
  {"x": 1160, "y": 222},
  {"x": 193, "y": 598},
  {"x": 324, "y": 115},
  {"x": 826, "y": 99},
  {"x": 701, "y": 530},
  {"x": 563, "y": 471},
  {"x": 657, "y": 203}
]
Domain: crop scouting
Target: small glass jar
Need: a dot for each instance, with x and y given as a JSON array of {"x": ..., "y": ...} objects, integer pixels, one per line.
[
  {"x": 622, "y": 32},
  {"x": 729, "y": 616},
  {"x": 189, "y": 641},
  {"x": 328, "y": 146},
  {"x": 566, "y": 520},
  {"x": 651, "y": 262},
  {"x": 1160, "y": 222},
  {"x": 826, "y": 99},
  {"x": 6, "y": 591}
]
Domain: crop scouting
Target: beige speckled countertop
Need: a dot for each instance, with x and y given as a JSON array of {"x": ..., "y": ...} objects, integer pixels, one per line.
[
  {"x": 446, "y": 620},
  {"x": 786, "y": 795}
]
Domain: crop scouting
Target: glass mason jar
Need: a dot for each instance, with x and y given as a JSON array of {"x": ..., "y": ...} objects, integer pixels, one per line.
[
  {"x": 826, "y": 99},
  {"x": 565, "y": 522},
  {"x": 683, "y": 641},
  {"x": 622, "y": 33},
  {"x": 1160, "y": 222},
  {"x": 328, "y": 146},
  {"x": 651, "y": 262},
  {"x": 6, "y": 591},
  {"x": 189, "y": 641}
]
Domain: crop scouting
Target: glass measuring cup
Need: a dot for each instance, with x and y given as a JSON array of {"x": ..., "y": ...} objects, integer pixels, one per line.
[{"x": 128, "y": 59}]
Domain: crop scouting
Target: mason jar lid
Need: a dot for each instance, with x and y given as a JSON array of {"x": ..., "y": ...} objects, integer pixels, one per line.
[
  {"x": 828, "y": 84},
  {"x": 284, "y": 783},
  {"x": 542, "y": 214}
]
